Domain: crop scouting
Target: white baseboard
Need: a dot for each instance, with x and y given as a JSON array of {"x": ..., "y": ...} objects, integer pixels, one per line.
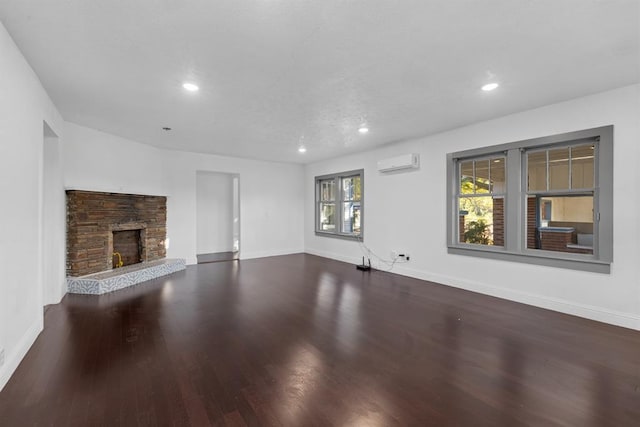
[
  {"x": 14, "y": 357},
  {"x": 257, "y": 254},
  {"x": 264, "y": 254},
  {"x": 626, "y": 320},
  {"x": 350, "y": 260},
  {"x": 63, "y": 292}
]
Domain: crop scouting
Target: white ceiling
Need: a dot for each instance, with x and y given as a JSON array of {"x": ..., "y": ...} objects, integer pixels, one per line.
[{"x": 275, "y": 72}]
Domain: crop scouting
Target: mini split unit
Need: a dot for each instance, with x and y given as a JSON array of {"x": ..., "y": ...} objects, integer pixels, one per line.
[{"x": 405, "y": 161}]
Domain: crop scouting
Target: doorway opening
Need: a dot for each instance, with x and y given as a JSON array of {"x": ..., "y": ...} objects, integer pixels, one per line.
[{"x": 217, "y": 217}]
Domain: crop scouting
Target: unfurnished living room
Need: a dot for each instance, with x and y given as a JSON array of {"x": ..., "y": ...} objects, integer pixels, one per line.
[{"x": 319, "y": 213}]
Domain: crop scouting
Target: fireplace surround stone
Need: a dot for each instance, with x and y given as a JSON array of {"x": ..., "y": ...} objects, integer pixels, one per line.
[{"x": 92, "y": 218}]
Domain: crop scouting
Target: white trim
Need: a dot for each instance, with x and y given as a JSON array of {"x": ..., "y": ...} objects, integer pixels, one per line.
[
  {"x": 13, "y": 359},
  {"x": 63, "y": 291},
  {"x": 618, "y": 318},
  {"x": 350, "y": 260},
  {"x": 264, "y": 254}
]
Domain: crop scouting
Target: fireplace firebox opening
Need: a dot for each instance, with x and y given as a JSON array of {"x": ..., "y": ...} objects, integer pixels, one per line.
[{"x": 127, "y": 248}]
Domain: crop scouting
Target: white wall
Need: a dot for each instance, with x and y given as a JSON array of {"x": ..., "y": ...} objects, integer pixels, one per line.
[
  {"x": 24, "y": 106},
  {"x": 99, "y": 161},
  {"x": 214, "y": 212},
  {"x": 407, "y": 212},
  {"x": 271, "y": 194},
  {"x": 271, "y": 200}
]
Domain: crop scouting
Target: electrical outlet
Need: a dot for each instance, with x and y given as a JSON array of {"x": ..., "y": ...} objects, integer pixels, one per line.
[
  {"x": 399, "y": 255},
  {"x": 404, "y": 256},
  {"x": 1, "y": 356}
]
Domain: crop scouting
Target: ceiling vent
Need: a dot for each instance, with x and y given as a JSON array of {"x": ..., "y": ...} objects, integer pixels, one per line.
[{"x": 405, "y": 161}]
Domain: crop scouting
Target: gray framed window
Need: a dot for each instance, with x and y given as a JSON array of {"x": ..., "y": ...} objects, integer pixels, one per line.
[
  {"x": 480, "y": 200},
  {"x": 545, "y": 201},
  {"x": 560, "y": 192},
  {"x": 339, "y": 204}
]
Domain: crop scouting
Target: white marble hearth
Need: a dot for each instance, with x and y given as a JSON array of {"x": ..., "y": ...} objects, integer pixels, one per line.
[{"x": 119, "y": 278}]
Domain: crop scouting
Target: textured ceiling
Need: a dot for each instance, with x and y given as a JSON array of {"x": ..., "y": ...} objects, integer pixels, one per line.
[{"x": 274, "y": 73}]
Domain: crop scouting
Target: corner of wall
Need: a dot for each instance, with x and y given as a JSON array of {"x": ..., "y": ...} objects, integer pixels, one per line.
[{"x": 13, "y": 359}]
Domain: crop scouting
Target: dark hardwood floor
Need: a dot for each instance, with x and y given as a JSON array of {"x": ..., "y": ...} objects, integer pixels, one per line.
[{"x": 304, "y": 341}]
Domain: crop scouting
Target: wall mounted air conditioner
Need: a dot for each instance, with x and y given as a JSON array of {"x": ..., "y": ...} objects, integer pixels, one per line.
[{"x": 405, "y": 161}]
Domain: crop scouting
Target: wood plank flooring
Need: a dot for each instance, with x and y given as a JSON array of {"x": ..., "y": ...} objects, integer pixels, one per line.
[{"x": 300, "y": 340}]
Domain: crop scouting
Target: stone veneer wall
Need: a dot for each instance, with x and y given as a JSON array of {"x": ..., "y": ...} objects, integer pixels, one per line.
[{"x": 92, "y": 217}]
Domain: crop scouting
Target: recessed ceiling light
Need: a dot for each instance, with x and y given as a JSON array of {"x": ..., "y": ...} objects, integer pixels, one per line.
[
  {"x": 363, "y": 129},
  {"x": 191, "y": 87},
  {"x": 490, "y": 86},
  {"x": 302, "y": 150}
]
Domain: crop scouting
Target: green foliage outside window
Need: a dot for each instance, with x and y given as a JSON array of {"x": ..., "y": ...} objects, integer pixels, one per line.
[{"x": 478, "y": 232}]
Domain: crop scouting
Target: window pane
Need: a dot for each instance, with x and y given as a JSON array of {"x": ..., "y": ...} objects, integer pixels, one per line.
[
  {"x": 537, "y": 171},
  {"x": 327, "y": 217},
  {"x": 327, "y": 190},
  {"x": 466, "y": 177},
  {"x": 351, "y": 188},
  {"x": 559, "y": 169},
  {"x": 562, "y": 224},
  {"x": 582, "y": 158},
  {"x": 498, "y": 175},
  {"x": 347, "y": 188},
  {"x": 481, "y": 220},
  {"x": 351, "y": 220},
  {"x": 482, "y": 176}
]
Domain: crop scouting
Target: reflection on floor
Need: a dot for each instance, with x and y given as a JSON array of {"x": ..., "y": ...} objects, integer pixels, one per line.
[
  {"x": 217, "y": 257},
  {"x": 300, "y": 340}
]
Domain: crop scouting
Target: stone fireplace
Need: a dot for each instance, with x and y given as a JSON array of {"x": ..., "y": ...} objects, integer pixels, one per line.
[{"x": 105, "y": 229}]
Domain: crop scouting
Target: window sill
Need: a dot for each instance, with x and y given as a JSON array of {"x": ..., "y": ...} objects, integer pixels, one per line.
[
  {"x": 339, "y": 236},
  {"x": 537, "y": 257},
  {"x": 575, "y": 246}
]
